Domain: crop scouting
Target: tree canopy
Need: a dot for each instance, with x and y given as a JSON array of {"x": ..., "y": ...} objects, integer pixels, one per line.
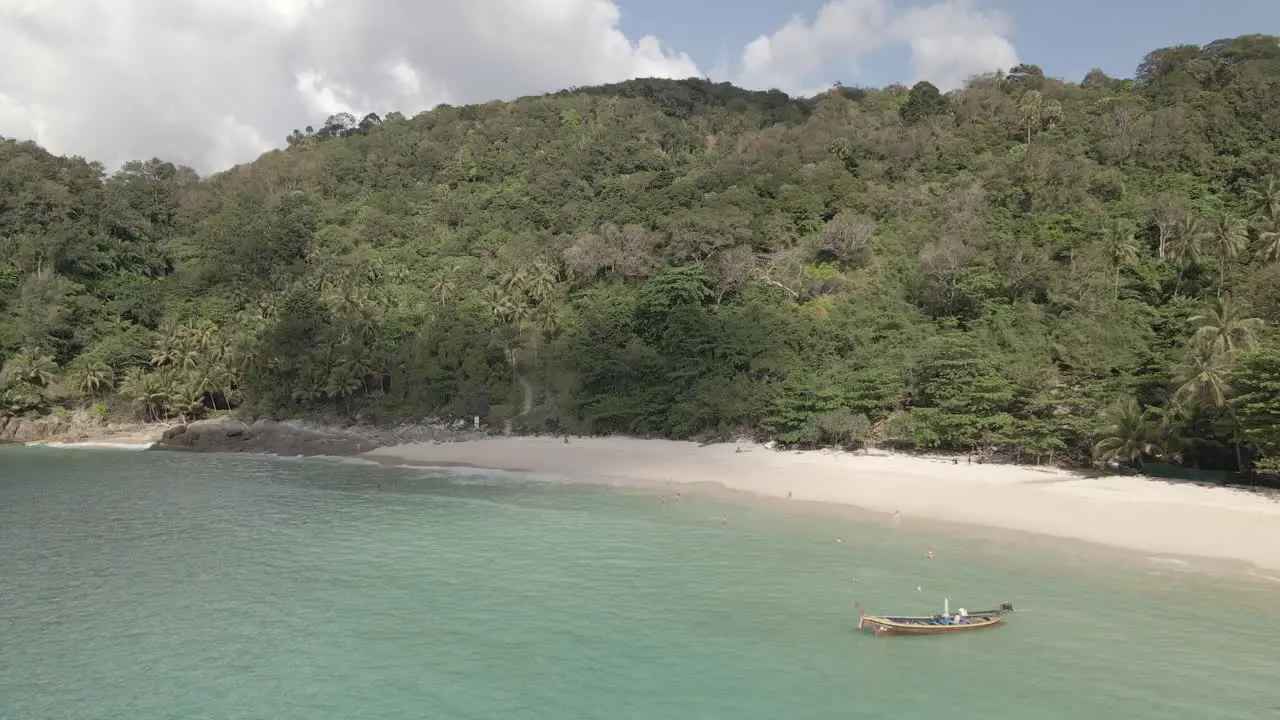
[{"x": 1049, "y": 269}]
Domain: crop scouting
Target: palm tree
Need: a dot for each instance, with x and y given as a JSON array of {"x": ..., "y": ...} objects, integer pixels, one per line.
[
  {"x": 146, "y": 391},
  {"x": 30, "y": 366},
  {"x": 542, "y": 282},
  {"x": 167, "y": 348},
  {"x": 1224, "y": 329},
  {"x": 513, "y": 281},
  {"x": 1268, "y": 194},
  {"x": 184, "y": 397},
  {"x": 202, "y": 335},
  {"x": 1205, "y": 379},
  {"x": 1230, "y": 236},
  {"x": 1167, "y": 440},
  {"x": 240, "y": 355},
  {"x": 1122, "y": 249},
  {"x": 1035, "y": 113},
  {"x": 443, "y": 287},
  {"x": 1187, "y": 246},
  {"x": 1269, "y": 234},
  {"x": 1126, "y": 433},
  {"x": 203, "y": 380},
  {"x": 499, "y": 303},
  {"x": 91, "y": 378},
  {"x": 361, "y": 366},
  {"x": 544, "y": 322},
  {"x": 224, "y": 380},
  {"x": 342, "y": 383}
]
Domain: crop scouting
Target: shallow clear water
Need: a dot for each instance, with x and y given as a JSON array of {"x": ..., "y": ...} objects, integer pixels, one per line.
[{"x": 153, "y": 585}]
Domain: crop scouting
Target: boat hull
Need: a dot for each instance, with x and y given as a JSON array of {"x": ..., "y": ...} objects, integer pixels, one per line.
[{"x": 924, "y": 625}]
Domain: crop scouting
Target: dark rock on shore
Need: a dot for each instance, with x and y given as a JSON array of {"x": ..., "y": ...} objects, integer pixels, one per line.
[{"x": 294, "y": 438}]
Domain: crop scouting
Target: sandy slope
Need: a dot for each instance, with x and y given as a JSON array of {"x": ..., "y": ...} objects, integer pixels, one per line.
[{"x": 1132, "y": 513}]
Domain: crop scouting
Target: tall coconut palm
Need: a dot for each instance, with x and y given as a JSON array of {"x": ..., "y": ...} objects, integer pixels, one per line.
[
  {"x": 1186, "y": 248},
  {"x": 342, "y": 383},
  {"x": 202, "y": 335},
  {"x": 1224, "y": 328},
  {"x": 542, "y": 282},
  {"x": 225, "y": 380},
  {"x": 166, "y": 350},
  {"x": 1036, "y": 113},
  {"x": 513, "y": 281},
  {"x": 1230, "y": 236},
  {"x": 1269, "y": 234},
  {"x": 146, "y": 391},
  {"x": 499, "y": 302},
  {"x": 91, "y": 378},
  {"x": 1121, "y": 248},
  {"x": 543, "y": 323},
  {"x": 1126, "y": 433},
  {"x": 1267, "y": 194},
  {"x": 443, "y": 287},
  {"x": 1204, "y": 379},
  {"x": 1167, "y": 440}
]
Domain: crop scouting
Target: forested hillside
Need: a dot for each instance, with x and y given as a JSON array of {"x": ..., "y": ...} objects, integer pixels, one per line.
[{"x": 1054, "y": 270}]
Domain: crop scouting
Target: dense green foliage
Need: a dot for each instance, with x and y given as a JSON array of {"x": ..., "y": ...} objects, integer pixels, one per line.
[{"x": 1037, "y": 267}]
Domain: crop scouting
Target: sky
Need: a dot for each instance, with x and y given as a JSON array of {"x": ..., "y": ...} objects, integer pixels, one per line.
[{"x": 213, "y": 83}]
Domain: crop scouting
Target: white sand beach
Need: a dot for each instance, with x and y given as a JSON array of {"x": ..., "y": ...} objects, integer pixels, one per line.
[{"x": 1126, "y": 512}]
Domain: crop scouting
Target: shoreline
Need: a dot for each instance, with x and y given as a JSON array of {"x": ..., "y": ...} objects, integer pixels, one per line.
[
  {"x": 1134, "y": 513},
  {"x": 1151, "y": 516},
  {"x": 140, "y": 437}
]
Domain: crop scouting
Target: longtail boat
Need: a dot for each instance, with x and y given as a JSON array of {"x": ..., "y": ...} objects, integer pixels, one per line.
[{"x": 941, "y": 624}]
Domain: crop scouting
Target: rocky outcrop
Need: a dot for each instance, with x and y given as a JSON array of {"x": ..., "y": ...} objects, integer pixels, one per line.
[
  {"x": 293, "y": 438},
  {"x": 77, "y": 428}
]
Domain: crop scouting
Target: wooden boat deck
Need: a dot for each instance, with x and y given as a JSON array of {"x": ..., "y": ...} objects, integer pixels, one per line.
[{"x": 933, "y": 624}]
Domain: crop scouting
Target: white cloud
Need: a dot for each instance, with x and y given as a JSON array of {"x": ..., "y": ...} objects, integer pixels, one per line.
[
  {"x": 843, "y": 30},
  {"x": 952, "y": 41},
  {"x": 213, "y": 82},
  {"x": 948, "y": 42}
]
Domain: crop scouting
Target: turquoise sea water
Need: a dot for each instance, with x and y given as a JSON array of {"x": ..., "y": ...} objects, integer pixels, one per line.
[{"x": 153, "y": 586}]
